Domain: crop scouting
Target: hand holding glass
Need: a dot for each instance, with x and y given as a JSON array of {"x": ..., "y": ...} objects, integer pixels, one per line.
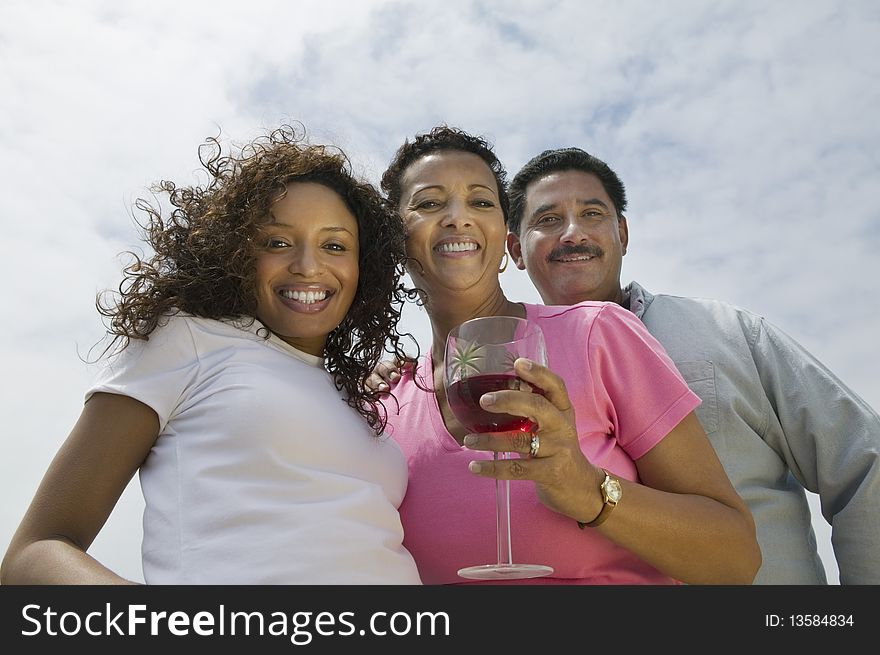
[{"x": 479, "y": 359}]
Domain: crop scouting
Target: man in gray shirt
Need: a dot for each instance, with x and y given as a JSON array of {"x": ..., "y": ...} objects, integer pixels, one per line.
[{"x": 780, "y": 421}]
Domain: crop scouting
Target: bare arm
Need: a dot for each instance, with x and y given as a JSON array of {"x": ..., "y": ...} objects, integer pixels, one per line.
[
  {"x": 693, "y": 524},
  {"x": 109, "y": 442},
  {"x": 684, "y": 518}
]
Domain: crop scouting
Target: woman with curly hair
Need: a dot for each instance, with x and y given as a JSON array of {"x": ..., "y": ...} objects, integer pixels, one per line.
[{"x": 235, "y": 387}]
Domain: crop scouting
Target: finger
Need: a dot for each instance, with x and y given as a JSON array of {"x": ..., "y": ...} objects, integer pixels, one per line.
[
  {"x": 542, "y": 377},
  {"x": 375, "y": 383},
  {"x": 500, "y": 442},
  {"x": 506, "y": 469},
  {"x": 387, "y": 370},
  {"x": 533, "y": 406}
]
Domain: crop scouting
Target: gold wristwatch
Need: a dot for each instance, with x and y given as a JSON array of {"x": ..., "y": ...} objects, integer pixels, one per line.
[{"x": 611, "y": 493}]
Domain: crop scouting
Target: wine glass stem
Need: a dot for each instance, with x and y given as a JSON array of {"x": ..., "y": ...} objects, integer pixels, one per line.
[{"x": 502, "y": 515}]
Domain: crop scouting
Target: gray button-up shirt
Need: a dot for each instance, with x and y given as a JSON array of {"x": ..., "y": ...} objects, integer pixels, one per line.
[{"x": 780, "y": 422}]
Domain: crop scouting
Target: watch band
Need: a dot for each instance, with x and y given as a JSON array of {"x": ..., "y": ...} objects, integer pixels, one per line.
[{"x": 610, "y": 489}]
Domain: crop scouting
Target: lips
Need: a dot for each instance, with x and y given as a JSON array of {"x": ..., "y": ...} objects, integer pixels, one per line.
[
  {"x": 571, "y": 258},
  {"x": 574, "y": 254},
  {"x": 305, "y": 299},
  {"x": 456, "y": 246}
]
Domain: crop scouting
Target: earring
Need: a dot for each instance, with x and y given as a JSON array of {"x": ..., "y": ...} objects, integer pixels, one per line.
[{"x": 504, "y": 264}]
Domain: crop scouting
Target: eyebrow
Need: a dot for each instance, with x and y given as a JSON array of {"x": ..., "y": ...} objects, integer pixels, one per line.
[
  {"x": 337, "y": 229},
  {"x": 547, "y": 206},
  {"x": 329, "y": 228},
  {"x": 471, "y": 187}
]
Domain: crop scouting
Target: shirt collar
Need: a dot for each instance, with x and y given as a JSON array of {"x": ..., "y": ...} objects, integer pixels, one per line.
[{"x": 636, "y": 298}]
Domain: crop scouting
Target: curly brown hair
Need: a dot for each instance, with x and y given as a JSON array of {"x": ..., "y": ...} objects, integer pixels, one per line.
[{"x": 204, "y": 255}]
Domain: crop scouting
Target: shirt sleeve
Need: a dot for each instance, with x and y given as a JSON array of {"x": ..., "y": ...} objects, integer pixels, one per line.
[
  {"x": 155, "y": 372},
  {"x": 830, "y": 439},
  {"x": 643, "y": 393}
]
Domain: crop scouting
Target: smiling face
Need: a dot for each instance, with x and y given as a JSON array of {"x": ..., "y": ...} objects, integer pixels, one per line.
[
  {"x": 455, "y": 225},
  {"x": 571, "y": 240},
  {"x": 307, "y": 266}
]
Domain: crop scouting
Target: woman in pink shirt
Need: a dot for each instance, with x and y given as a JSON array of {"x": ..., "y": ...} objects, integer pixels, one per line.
[{"x": 616, "y": 409}]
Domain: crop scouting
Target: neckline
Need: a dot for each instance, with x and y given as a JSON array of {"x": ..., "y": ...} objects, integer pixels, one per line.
[{"x": 258, "y": 328}]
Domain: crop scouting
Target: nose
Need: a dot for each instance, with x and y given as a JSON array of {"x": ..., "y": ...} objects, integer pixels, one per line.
[
  {"x": 573, "y": 231},
  {"x": 304, "y": 261},
  {"x": 457, "y": 214}
]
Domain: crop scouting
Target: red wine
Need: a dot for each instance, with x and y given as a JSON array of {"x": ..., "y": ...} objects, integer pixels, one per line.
[{"x": 464, "y": 400}]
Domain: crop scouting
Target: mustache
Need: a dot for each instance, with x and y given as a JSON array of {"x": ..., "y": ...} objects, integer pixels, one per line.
[{"x": 581, "y": 249}]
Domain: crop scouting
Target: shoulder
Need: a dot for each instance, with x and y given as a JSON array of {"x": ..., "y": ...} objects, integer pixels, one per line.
[
  {"x": 597, "y": 324},
  {"x": 696, "y": 308},
  {"x": 182, "y": 335},
  {"x": 197, "y": 328},
  {"x": 591, "y": 312},
  {"x": 172, "y": 339},
  {"x": 585, "y": 318},
  {"x": 586, "y": 311}
]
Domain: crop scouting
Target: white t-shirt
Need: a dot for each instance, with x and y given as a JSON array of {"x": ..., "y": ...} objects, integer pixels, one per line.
[{"x": 261, "y": 474}]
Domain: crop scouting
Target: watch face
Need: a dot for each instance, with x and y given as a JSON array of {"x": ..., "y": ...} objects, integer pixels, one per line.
[{"x": 612, "y": 490}]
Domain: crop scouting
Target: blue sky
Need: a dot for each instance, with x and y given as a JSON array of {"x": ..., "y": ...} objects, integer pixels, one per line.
[{"x": 746, "y": 133}]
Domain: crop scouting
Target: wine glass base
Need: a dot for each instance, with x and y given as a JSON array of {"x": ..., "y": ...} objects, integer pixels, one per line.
[{"x": 505, "y": 571}]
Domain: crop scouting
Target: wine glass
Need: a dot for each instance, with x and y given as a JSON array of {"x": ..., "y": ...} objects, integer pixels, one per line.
[{"x": 479, "y": 359}]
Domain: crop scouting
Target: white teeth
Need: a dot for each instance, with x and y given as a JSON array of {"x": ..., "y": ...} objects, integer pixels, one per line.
[
  {"x": 457, "y": 247},
  {"x": 307, "y": 297},
  {"x": 584, "y": 258}
]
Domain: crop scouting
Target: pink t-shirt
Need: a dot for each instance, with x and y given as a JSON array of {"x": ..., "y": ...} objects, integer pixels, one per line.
[{"x": 627, "y": 395}]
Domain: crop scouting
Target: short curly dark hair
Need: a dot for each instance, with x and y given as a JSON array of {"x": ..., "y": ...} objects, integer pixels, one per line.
[
  {"x": 442, "y": 137},
  {"x": 558, "y": 160},
  {"x": 204, "y": 255}
]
